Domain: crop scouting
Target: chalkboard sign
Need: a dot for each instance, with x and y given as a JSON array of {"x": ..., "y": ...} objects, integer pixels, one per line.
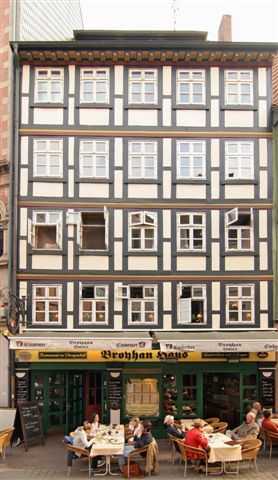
[
  {"x": 114, "y": 392},
  {"x": 22, "y": 386},
  {"x": 30, "y": 423},
  {"x": 267, "y": 388}
]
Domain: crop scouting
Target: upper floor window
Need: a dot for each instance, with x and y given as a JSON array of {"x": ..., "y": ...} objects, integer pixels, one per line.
[
  {"x": 239, "y": 160},
  {"x": 94, "y": 85},
  {"x": 238, "y": 87},
  {"x": 142, "y": 304},
  {"x": 48, "y": 158},
  {"x": 93, "y": 304},
  {"x": 93, "y": 161},
  {"x": 45, "y": 230},
  {"x": 93, "y": 230},
  {"x": 47, "y": 304},
  {"x": 239, "y": 229},
  {"x": 191, "y": 87},
  {"x": 240, "y": 304},
  {"x": 142, "y": 231},
  {"x": 142, "y": 86},
  {"x": 191, "y": 231},
  {"x": 192, "y": 304},
  {"x": 49, "y": 83},
  {"x": 142, "y": 160},
  {"x": 191, "y": 159}
]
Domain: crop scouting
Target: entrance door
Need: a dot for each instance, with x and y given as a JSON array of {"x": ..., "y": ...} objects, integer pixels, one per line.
[
  {"x": 222, "y": 397},
  {"x": 75, "y": 400},
  {"x": 93, "y": 393}
]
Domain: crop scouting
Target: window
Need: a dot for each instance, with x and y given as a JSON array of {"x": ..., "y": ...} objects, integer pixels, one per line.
[
  {"x": 48, "y": 158},
  {"x": 93, "y": 304},
  {"x": 239, "y": 160},
  {"x": 142, "y": 160},
  {"x": 142, "y": 86},
  {"x": 238, "y": 87},
  {"x": 191, "y": 231},
  {"x": 142, "y": 304},
  {"x": 94, "y": 85},
  {"x": 192, "y": 304},
  {"x": 45, "y": 230},
  {"x": 239, "y": 229},
  {"x": 93, "y": 230},
  {"x": 93, "y": 161},
  {"x": 191, "y": 160},
  {"x": 49, "y": 85},
  {"x": 142, "y": 231},
  {"x": 190, "y": 87},
  {"x": 47, "y": 304},
  {"x": 240, "y": 304},
  {"x": 142, "y": 397}
]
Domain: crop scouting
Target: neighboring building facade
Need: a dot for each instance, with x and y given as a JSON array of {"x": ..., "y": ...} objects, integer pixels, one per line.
[{"x": 145, "y": 205}]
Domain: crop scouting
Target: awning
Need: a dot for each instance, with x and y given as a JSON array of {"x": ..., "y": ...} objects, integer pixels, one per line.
[
  {"x": 81, "y": 341},
  {"x": 247, "y": 341}
]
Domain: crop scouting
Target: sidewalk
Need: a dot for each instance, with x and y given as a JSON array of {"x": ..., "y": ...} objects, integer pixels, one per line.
[{"x": 49, "y": 462}]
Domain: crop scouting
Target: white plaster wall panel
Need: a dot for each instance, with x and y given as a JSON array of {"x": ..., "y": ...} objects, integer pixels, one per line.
[
  {"x": 118, "y": 111},
  {"x": 118, "y": 184},
  {"x": 167, "y": 184},
  {"x": 264, "y": 295},
  {"x": 47, "y": 262},
  {"x": 97, "y": 190},
  {"x": 215, "y": 221},
  {"x": 70, "y": 296},
  {"x": 191, "y": 118},
  {"x": 215, "y": 321},
  {"x": 22, "y": 289},
  {"x": 23, "y": 254},
  {"x": 23, "y": 182},
  {"x": 94, "y": 116},
  {"x": 214, "y": 152},
  {"x": 5, "y": 373},
  {"x": 214, "y": 81},
  {"x": 48, "y": 116},
  {"x": 118, "y": 303},
  {"x": 167, "y": 256},
  {"x": 239, "y": 263},
  {"x": 215, "y": 295},
  {"x": 94, "y": 262},
  {"x": 70, "y": 322},
  {"x": 167, "y": 80},
  {"x": 71, "y": 183},
  {"x": 196, "y": 264},
  {"x": 167, "y": 322},
  {"x": 263, "y": 231},
  {"x": 70, "y": 255},
  {"x": 215, "y": 184},
  {"x": 262, "y": 113},
  {"x": 263, "y": 152},
  {"x": 214, "y": 113},
  {"x": 70, "y": 231},
  {"x": 263, "y": 184},
  {"x": 25, "y": 79},
  {"x": 118, "y": 223},
  {"x": 239, "y": 118},
  {"x": 118, "y": 255},
  {"x": 71, "y": 79},
  {"x": 142, "y": 191},
  {"x": 118, "y": 153},
  {"x": 263, "y": 256},
  {"x": 166, "y": 215},
  {"x": 71, "y": 151},
  {"x": 71, "y": 111},
  {"x": 215, "y": 256},
  {"x": 142, "y": 263},
  {"x": 167, "y": 296},
  {"x": 167, "y": 112},
  {"x": 239, "y": 191},
  {"x": 167, "y": 152},
  {"x": 264, "y": 321},
  {"x": 41, "y": 189},
  {"x": 262, "y": 82},
  {"x": 191, "y": 191},
  {"x": 142, "y": 117},
  {"x": 24, "y": 143},
  {"x": 24, "y": 110},
  {"x": 118, "y": 322},
  {"x": 119, "y": 79},
  {"x": 23, "y": 222}
]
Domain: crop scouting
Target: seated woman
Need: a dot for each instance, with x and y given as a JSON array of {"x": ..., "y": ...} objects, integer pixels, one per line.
[
  {"x": 267, "y": 423},
  {"x": 94, "y": 421},
  {"x": 135, "y": 428},
  {"x": 171, "y": 427},
  {"x": 195, "y": 437},
  {"x": 81, "y": 441}
]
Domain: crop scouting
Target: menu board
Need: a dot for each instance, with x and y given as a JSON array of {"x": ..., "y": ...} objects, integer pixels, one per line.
[
  {"x": 115, "y": 392},
  {"x": 22, "y": 386},
  {"x": 267, "y": 388},
  {"x": 30, "y": 422}
]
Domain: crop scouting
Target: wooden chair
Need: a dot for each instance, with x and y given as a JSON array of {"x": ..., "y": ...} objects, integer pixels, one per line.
[
  {"x": 133, "y": 455},
  {"x": 250, "y": 450},
  {"x": 219, "y": 427},
  {"x": 202, "y": 455},
  {"x": 9, "y": 432},
  {"x": 211, "y": 420},
  {"x": 263, "y": 437},
  {"x": 272, "y": 439},
  {"x": 77, "y": 453},
  {"x": 174, "y": 442},
  {"x": 3, "y": 439}
]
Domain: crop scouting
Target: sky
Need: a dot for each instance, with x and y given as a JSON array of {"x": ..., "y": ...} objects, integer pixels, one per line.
[{"x": 252, "y": 20}]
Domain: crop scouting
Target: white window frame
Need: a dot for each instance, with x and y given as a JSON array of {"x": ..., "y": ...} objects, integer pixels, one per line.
[
  {"x": 143, "y": 81},
  {"x": 240, "y": 299},
  {"x": 92, "y": 158},
  {"x": 101, "y": 298},
  {"x": 234, "y": 86},
  {"x": 191, "y": 226},
  {"x": 191, "y": 82},
  {"x": 184, "y": 305},
  {"x": 51, "y": 78},
  {"x": 91, "y": 76},
  {"x": 32, "y": 224},
  {"x": 239, "y": 157},
  {"x": 106, "y": 227},
  {"x": 144, "y": 226},
  {"x": 48, "y": 153},
  {"x": 191, "y": 159},
  {"x": 231, "y": 218},
  {"x": 142, "y": 304},
  {"x": 47, "y": 299},
  {"x": 142, "y": 156}
]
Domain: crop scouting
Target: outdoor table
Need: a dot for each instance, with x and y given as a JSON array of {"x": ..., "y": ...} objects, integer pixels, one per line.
[
  {"x": 188, "y": 424},
  {"x": 108, "y": 442},
  {"x": 275, "y": 420},
  {"x": 221, "y": 452}
]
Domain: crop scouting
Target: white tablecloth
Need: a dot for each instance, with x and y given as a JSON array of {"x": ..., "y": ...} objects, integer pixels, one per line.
[
  {"x": 189, "y": 424},
  {"x": 220, "y": 452},
  {"x": 105, "y": 444}
]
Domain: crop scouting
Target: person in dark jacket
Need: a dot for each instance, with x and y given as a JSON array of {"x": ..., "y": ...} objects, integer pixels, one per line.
[
  {"x": 172, "y": 429},
  {"x": 144, "y": 437}
]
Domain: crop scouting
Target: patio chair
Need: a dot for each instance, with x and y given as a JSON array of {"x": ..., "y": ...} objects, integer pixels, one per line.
[
  {"x": 219, "y": 427},
  {"x": 202, "y": 455},
  {"x": 9, "y": 432},
  {"x": 174, "y": 442},
  {"x": 211, "y": 420},
  {"x": 3, "y": 439},
  {"x": 75, "y": 453},
  {"x": 151, "y": 464},
  {"x": 250, "y": 450},
  {"x": 272, "y": 439}
]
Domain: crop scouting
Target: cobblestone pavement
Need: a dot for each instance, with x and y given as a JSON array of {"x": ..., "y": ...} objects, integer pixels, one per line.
[{"x": 49, "y": 462}]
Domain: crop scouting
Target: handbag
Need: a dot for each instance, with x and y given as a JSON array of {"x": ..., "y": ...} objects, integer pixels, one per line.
[{"x": 134, "y": 471}]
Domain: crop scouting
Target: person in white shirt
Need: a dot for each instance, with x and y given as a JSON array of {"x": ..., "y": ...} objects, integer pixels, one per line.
[
  {"x": 94, "y": 421},
  {"x": 81, "y": 441},
  {"x": 135, "y": 428}
]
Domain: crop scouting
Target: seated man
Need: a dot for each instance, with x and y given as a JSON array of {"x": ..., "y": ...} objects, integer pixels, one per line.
[
  {"x": 247, "y": 430},
  {"x": 144, "y": 437},
  {"x": 172, "y": 429},
  {"x": 258, "y": 412},
  {"x": 267, "y": 423}
]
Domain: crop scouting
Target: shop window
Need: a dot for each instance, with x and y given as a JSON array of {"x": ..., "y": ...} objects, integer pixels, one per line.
[
  {"x": 189, "y": 396},
  {"x": 239, "y": 229},
  {"x": 142, "y": 231},
  {"x": 250, "y": 391},
  {"x": 93, "y": 230},
  {"x": 45, "y": 230},
  {"x": 191, "y": 304},
  {"x": 93, "y": 304},
  {"x": 170, "y": 395},
  {"x": 142, "y": 397}
]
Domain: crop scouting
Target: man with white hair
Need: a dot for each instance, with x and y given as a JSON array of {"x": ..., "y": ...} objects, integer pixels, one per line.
[
  {"x": 258, "y": 412},
  {"x": 247, "y": 430},
  {"x": 172, "y": 429}
]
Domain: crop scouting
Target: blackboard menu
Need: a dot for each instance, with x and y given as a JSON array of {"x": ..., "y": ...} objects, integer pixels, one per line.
[
  {"x": 114, "y": 392},
  {"x": 30, "y": 422},
  {"x": 267, "y": 389},
  {"x": 22, "y": 386}
]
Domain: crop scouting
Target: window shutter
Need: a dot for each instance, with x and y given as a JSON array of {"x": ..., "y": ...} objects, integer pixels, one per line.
[
  {"x": 231, "y": 216},
  {"x": 122, "y": 292},
  {"x": 59, "y": 231},
  {"x": 31, "y": 233},
  {"x": 106, "y": 220},
  {"x": 185, "y": 310},
  {"x": 179, "y": 289}
]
